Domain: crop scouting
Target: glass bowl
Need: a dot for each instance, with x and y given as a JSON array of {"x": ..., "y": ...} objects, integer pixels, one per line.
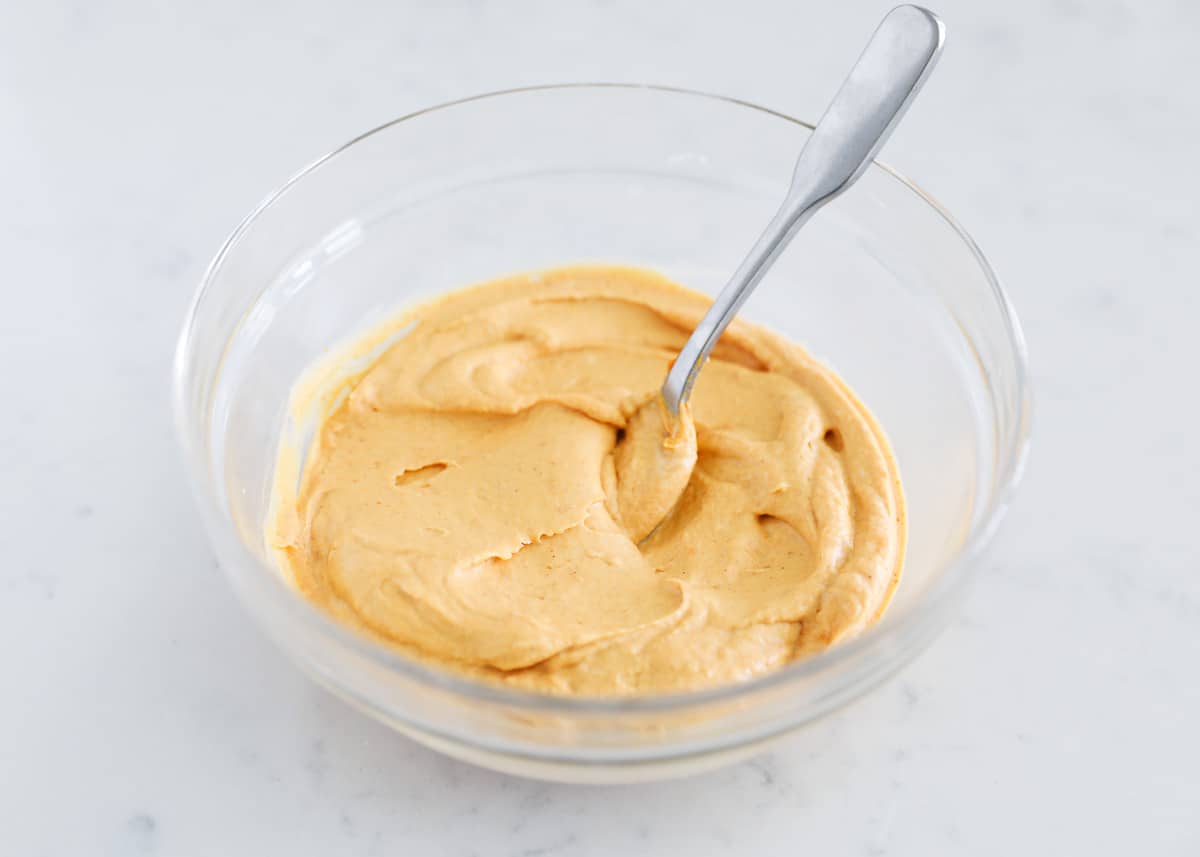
[{"x": 882, "y": 285}]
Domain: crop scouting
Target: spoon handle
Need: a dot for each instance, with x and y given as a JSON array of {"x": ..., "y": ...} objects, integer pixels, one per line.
[{"x": 874, "y": 96}]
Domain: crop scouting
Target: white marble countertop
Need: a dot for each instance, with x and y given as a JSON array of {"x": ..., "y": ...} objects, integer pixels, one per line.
[{"x": 144, "y": 714}]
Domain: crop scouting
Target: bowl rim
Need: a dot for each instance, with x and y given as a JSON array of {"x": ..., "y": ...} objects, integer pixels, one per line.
[{"x": 892, "y": 626}]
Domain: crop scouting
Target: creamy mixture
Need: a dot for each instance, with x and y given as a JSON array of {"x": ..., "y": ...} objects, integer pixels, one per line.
[{"x": 503, "y": 493}]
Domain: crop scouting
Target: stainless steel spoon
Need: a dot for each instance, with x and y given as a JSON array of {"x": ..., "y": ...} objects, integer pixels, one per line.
[{"x": 878, "y": 90}]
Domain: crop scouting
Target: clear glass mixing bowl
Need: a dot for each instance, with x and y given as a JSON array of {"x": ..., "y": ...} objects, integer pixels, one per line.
[{"x": 882, "y": 285}]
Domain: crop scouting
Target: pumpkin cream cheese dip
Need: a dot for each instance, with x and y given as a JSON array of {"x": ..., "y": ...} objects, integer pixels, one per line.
[{"x": 498, "y": 493}]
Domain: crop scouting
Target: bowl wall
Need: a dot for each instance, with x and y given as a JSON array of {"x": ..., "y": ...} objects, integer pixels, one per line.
[{"x": 880, "y": 285}]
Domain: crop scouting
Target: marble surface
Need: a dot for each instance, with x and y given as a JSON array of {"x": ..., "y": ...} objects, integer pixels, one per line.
[{"x": 143, "y": 714}]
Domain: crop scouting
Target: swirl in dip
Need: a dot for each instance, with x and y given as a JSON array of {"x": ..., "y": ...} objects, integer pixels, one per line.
[{"x": 501, "y": 493}]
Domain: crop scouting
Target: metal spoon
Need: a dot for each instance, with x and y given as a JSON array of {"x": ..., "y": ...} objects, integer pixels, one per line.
[{"x": 878, "y": 90}]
